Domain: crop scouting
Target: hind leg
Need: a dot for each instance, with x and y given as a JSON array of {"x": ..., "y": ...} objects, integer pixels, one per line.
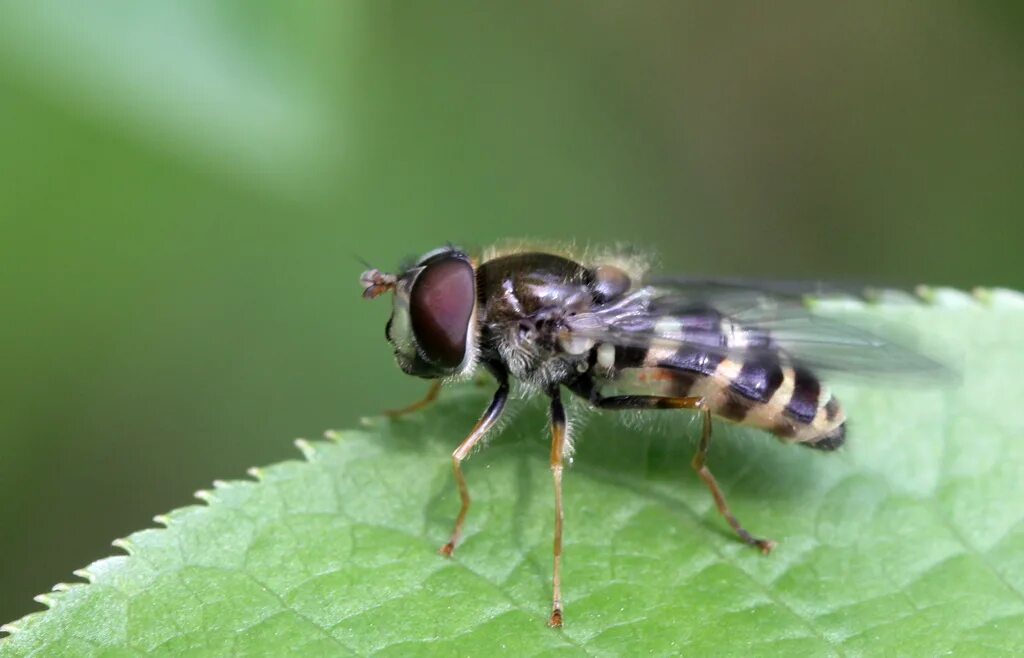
[
  {"x": 699, "y": 464},
  {"x": 699, "y": 459}
]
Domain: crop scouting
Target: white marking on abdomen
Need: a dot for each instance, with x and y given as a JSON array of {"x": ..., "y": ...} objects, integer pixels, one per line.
[
  {"x": 575, "y": 345},
  {"x": 669, "y": 327},
  {"x": 712, "y": 387},
  {"x": 659, "y": 350},
  {"x": 670, "y": 332},
  {"x": 735, "y": 335},
  {"x": 606, "y": 356},
  {"x": 824, "y": 395}
]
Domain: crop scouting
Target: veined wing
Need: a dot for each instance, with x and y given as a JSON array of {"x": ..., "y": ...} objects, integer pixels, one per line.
[{"x": 733, "y": 318}]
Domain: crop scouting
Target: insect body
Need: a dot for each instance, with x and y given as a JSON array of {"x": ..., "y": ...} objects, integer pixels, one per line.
[{"x": 596, "y": 330}]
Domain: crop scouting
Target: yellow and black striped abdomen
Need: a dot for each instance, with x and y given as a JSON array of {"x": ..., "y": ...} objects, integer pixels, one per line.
[
  {"x": 761, "y": 391},
  {"x": 790, "y": 402}
]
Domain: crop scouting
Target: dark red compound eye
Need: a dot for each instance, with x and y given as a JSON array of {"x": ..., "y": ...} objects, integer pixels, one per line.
[{"x": 440, "y": 306}]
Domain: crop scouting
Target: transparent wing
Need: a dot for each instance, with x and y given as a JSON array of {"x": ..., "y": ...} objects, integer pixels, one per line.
[
  {"x": 705, "y": 288},
  {"x": 744, "y": 320}
]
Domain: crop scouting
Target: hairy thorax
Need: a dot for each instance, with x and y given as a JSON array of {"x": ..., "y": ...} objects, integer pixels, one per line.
[{"x": 525, "y": 301}]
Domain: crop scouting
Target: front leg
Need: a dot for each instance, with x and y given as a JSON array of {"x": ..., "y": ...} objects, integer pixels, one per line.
[
  {"x": 479, "y": 431},
  {"x": 428, "y": 399}
]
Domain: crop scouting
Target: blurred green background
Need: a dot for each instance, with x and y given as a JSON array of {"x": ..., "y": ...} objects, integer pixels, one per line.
[{"x": 184, "y": 186}]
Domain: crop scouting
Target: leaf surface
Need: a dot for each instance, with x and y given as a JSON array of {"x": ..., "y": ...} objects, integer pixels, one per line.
[{"x": 909, "y": 541}]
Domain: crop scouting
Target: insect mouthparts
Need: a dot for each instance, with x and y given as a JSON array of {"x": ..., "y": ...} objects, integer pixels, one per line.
[{"x": 376, "y": 283}]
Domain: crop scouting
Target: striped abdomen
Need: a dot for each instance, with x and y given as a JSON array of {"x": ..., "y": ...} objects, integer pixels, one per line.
[{"x": 761, "y": 391}]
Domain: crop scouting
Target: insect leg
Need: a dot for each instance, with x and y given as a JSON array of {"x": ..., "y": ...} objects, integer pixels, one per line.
[
  {"x": 557, "y": 452},
  {"x": 431, "y": 396},
  {"x": 479, "y": 431},
  {"x": 699, "y": 459},
  {"x": 699, "y": 464}
]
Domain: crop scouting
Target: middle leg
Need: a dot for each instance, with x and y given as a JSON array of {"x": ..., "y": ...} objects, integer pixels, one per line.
[{"x": 557, "y": 455}]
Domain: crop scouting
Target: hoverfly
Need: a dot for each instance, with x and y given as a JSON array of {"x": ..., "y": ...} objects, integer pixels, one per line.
[{"x": 594, "y": 327}]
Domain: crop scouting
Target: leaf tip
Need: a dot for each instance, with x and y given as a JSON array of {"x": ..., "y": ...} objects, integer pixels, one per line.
[
  {"x": 85, "y": 575},
  {"x": 124, "y": 545},
  {"x": 835, "y": 303},
  {"x": 46, "y": 599},
  {"x": 307, "y": 449},
  {"x": 889, "y": 297},
  {"x": 999, "y": 297},
  {"x": 944, "y": 296}
]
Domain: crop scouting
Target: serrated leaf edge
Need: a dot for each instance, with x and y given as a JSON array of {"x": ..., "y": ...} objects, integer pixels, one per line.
[
  {"x": 164, "y": 522},
  {"x": 924, "y": 295}
]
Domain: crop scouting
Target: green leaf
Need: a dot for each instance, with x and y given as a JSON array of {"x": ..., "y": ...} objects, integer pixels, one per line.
[{"x": 910, "y": 541}]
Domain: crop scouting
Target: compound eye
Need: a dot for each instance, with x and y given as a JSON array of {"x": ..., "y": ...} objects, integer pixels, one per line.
[{"x": 440, "y": 307}]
